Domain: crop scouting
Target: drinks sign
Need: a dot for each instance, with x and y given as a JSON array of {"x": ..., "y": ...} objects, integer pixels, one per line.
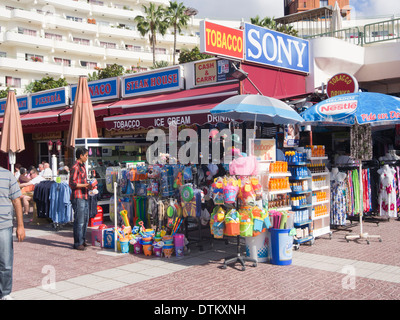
[{"x": 341, "y": 83}]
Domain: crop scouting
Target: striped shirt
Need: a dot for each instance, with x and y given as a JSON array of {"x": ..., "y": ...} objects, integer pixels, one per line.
[
  {"x": 9, "y": 190},
  {"x": 78, "y": 176}
]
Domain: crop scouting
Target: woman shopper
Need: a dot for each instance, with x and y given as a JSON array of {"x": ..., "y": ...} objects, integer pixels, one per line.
[{"x": 79, "y": 198}]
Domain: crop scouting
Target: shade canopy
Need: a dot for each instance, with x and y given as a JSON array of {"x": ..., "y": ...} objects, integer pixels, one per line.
[
  {"x": 252, "y": 107},
  {"x": 12, "y": 138},
  {"x": 83, "y": 122},
  {"x": 376, "y": 109}
]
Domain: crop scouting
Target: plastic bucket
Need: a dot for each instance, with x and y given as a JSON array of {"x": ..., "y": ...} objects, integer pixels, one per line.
[
  {"x": 148, "y": 249},
  {"x": 168, "y": 252},
  {"x": 179, "y": 240},
  {"x": 179, "y": 251},
  {"x": 258, "y": 247},
  {"x": 281, "y": 246},
  {"x": 124, "y": 246},
  {"x": 157, "y": 251},
  {"x": 137, "y": 248}
]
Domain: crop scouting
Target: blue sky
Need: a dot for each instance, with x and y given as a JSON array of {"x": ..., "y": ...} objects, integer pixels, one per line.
[{"x": 236, "y": 9}]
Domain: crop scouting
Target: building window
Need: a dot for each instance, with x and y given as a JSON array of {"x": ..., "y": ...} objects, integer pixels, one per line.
[
  {"x": 76, "y": 19},
  {"x": 61, "y": 61},
  {"x": 88, "y": 64},
  {"x": 33, "y": 57},
  {"x": 3, "y": 54},
  {"x": 133, "y": 48},
  {"x": 323, "y": 3},
  {"x": 54, "y": 36},
  {"x": 109, "y": 45},
  {"x": 13, "y": 82},
  {"x": 28, "y": 32},
  {"x": 85, "y": 42},
  {"x": 160, "y": 50}
]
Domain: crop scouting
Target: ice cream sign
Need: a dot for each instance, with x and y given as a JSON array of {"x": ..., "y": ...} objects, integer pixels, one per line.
[{"x": 339, "y": 109}]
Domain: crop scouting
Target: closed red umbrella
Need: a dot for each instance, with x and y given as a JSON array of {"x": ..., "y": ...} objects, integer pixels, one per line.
[
  {"x": 12, "y": 138},
  {"x": 83, "y": 122}
]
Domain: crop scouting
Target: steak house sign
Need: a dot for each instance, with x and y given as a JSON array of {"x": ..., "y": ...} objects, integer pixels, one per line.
[{"x": 256, "y": 44}]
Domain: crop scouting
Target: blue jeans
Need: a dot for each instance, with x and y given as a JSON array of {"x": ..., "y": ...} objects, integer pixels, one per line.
[
  {"x": 81, "y": 220},
  {"x": 6, "y": 261}
]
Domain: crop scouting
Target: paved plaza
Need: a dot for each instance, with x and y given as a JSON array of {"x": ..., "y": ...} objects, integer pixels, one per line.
[{"x": 47, "y": 268}]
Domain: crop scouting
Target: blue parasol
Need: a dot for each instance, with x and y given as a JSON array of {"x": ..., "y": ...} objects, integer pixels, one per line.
[
  {"x": 376, "y": 109},
  {"x": 252, "y": 107}
]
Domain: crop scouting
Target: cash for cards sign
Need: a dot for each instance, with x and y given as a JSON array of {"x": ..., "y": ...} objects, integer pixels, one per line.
[{"x": 257, "y": 45}]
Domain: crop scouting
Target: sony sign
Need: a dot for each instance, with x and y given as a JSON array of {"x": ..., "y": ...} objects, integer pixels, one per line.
[{"x": 276, "y": 49}]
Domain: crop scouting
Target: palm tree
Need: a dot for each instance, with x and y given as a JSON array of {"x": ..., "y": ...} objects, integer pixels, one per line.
[
  {"x": 177, "y": 17},
  {"x": 270, "y": 23},
  {"x": 152, "y": 24}
]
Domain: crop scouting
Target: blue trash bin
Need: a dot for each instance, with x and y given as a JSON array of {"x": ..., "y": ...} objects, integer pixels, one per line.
[{"x": 281, "y": 246}]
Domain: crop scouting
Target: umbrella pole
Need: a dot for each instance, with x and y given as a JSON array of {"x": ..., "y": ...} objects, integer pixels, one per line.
[{"x": 255, "y": 126}]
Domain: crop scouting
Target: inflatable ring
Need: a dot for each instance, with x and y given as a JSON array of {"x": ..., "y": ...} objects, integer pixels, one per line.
[
  {"x": 170, "y": 211},
  {"x": 187, "y": 193}
]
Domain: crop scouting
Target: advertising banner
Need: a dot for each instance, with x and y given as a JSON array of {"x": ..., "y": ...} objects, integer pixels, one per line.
[
  {"x": 142, "y": 83},
  {"x": 49, "y": 99},
  {"x": 22, "y": 104},
  {"x": 268, "y": 47},
  {"x": 105, "y": 89},
  {"x": 219, "y": 40}
]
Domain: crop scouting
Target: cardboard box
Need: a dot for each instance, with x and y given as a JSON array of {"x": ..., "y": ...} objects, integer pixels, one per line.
[
  {"x": 108, "y": 238},
  {"x": 97, "y": 237}
]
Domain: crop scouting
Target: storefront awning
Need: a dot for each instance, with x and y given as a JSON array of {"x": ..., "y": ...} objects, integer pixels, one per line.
[
  {"x": 44, "y": 117},
  {"x": 197, "y": 95},
  {"x": 189, "y": 115},
  {"x": 100, "y": 110}
]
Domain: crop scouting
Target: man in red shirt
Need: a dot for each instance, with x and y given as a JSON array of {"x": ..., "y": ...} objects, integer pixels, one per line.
[{"x": 79, "y": 198}]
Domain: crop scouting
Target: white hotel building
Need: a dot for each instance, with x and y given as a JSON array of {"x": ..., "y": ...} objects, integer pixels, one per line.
[{"x": 69, "y": 38}]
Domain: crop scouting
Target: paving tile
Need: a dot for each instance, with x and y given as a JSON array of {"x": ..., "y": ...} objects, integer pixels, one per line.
[
  {"x": 132, "y": 278},
  {"x": 78, "y": 293},
  {"x": 106, "y": 285},
  {"x": 155, "y": 272},
  {"x": 86, "y": 279},
  {"x": 111, "y": 273}
]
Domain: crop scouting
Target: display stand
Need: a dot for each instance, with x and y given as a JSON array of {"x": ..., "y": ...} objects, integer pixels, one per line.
[
  {"x": 362, "y": 235},
  {"x": 238, "y": 258},
  {"x": 321, "y": 223},
  {"x": 305, "y": 192}
]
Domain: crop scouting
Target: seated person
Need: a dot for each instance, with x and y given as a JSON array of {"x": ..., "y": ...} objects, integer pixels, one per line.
[
  {"x": 29, "y": 187},
  {"x": 23, "y": 177},
  {"x": 47, "y": 173}
]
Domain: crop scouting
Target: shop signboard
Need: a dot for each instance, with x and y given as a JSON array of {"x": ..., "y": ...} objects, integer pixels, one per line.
[
  {"x": 213, "y": 71},
  {"x": 49, "y": 99},
  {"x": 263, "y": 149},
  {"x": 100, "y": 90},
  {"x": 22, "y": 102},
  {"x": 146, "y": 121},
  {"x": 341, "y": 83},
  {"x": 220, "y": 40},
  {"x": 268, "y": 47},
  {"x": 158, "y": 81}
]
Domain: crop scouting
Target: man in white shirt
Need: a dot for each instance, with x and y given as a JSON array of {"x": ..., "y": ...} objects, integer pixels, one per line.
[
  {"x": 35, "y": 179},
  {"x": 47, "y": 173}
]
